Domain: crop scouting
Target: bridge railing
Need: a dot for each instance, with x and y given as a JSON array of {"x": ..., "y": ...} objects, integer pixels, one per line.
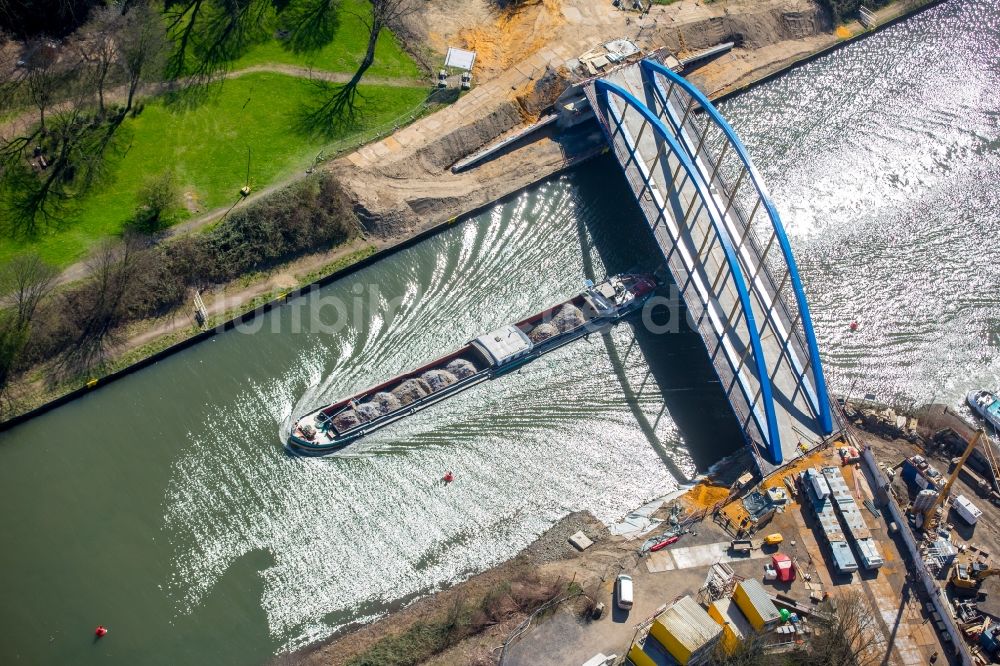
[
  {"x": 731, "y": 332},
  {"x": 752, "y": 220}
]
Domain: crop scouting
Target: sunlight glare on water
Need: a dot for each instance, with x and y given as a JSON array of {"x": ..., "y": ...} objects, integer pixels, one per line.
[
  {"x": 164, "y": 506},
  {"x": 354, "y": 532},
  {"x": 883, "y": 160}
]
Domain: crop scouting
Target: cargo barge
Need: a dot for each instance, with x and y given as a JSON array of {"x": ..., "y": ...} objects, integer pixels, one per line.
[{"x": 598, "y": 307}]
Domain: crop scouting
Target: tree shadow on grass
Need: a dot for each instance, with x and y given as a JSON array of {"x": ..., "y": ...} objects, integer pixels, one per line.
[
  {"x": 187, "y": 96},
  {"x": 309, "y": 25},
  {"x": 333, "y": 110}
]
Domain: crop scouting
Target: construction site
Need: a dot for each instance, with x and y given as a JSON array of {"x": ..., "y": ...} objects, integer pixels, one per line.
[
  {"x": 874, "y": 534},
  {"x": 898, "y": 516},
  {"x": 884, "y": 535}
]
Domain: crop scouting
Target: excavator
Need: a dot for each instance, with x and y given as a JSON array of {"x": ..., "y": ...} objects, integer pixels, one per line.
[{"x": 968, "y": 577}]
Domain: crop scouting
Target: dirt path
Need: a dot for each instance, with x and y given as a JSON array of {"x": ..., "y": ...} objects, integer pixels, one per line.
[
  {"x": 332, "y": 77},
  {"x": 24, "y": 121},
  {"x": 81, "y": 269}
]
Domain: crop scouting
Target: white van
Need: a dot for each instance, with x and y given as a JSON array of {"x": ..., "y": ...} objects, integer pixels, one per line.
[{"x": 624, "y": 589}]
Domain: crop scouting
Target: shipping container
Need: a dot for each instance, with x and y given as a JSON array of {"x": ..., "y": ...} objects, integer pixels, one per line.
[
  {"x": 751, "y": 598},
  {"x": 638, "y": 656},
  {"x": 969, "y": 512},
  {"x": 826, "y": 516},
  {"x": 687, "y": 631},
  {"x": 843, "y": 558},
  {"x": 855, "y": 528},
  {"x": 735, "y": 627}
]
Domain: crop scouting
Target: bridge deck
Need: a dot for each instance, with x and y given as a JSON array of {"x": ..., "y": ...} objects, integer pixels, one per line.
[{"x": 695, "y": 223}]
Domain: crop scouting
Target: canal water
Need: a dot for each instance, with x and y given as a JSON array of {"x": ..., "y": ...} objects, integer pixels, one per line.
[{"x": 164, "y": 507}]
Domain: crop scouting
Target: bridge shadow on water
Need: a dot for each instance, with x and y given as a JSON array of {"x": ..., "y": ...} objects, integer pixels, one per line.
[{"x": 611, "y": 224}]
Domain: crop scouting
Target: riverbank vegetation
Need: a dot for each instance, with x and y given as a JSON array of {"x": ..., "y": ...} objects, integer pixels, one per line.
[
  {"x": 138, "y": 90},
  {"x": 466, "y": 624},
  {"x": 73, "y": 333}
]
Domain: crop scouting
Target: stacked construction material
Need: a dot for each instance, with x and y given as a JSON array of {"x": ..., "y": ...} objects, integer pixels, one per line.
[
  {"x": 817, "y": 490},
  {"x": 853, "y": 522}
]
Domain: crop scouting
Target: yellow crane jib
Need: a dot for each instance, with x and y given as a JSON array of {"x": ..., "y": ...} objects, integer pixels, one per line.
[{"x": 951, "y": 478}]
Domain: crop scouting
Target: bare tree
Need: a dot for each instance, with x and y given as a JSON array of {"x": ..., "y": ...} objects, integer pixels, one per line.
[
  {"x": 24, "y": 282},
  {"x": 750, "y": 652},
  {"x": 38, "y": 189},
  {"x": 41, "y": 80},
  {"x": 141, "y": 48},
  {"x": 341, "y": 107},
  {"x": 99, "y": 316},
  {"x": 848, "y": 637},
  {"x": 97, "y": 46}
]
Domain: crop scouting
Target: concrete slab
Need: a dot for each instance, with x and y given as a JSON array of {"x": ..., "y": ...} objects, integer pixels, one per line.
[
  {"x": 696, "y": 556},
  {"x": 581, "y": 541}
]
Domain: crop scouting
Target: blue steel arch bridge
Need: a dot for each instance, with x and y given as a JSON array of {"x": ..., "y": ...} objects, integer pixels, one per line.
[{"x": 724, "y": 244}]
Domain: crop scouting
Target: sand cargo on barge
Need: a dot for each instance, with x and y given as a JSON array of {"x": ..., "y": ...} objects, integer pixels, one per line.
[{"x": 486, "y": 357}]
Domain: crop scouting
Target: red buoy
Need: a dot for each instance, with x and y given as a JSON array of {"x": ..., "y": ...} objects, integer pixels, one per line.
[
  {"x": 449, "y": 477},
  {"x": 854, "y": 325},
  {"x": 100, "y": 632}
]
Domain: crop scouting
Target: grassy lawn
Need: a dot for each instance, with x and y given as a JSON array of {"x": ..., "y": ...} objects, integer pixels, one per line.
[
  {"x": 207, "y": 149},
  {"x": 343, "y": 53}
]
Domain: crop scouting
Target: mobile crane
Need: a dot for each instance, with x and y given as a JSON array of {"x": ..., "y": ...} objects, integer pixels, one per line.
[{"x": 929, "y": 513}]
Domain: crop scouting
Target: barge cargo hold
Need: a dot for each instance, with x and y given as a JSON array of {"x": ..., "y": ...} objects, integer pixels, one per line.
[{"x": 598, "y": 307}]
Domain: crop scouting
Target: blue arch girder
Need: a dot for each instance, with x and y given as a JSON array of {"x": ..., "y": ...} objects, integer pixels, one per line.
[
  {"x": 676, "y": 124},
  {"x": 773, "y": 437},
  {"x": 822, "y": 408}
]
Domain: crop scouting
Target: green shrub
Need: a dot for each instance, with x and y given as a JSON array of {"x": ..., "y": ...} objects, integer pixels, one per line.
[
  {"x": 311, "y": 215},
  {"x": 158, "y": 200}
]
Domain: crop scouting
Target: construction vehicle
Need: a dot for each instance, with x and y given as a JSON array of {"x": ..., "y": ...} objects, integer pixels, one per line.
[
  {"x": 968, "y": 577},
  {"x": 932, "y": 509}
]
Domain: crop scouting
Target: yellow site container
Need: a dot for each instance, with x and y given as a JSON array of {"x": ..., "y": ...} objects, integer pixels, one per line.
[
  {"x": 687, "y": 632},
  {"x": 639, "y": 658},
  {"x": 735, "y": 627},
  {"x": 752, "y": 599}
]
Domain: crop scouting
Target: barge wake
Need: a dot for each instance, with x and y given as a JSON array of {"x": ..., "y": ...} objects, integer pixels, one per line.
[{"x": 489, "y": 356}]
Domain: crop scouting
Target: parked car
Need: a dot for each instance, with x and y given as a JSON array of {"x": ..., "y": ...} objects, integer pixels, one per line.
[{"x": 623, "y": 589}]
